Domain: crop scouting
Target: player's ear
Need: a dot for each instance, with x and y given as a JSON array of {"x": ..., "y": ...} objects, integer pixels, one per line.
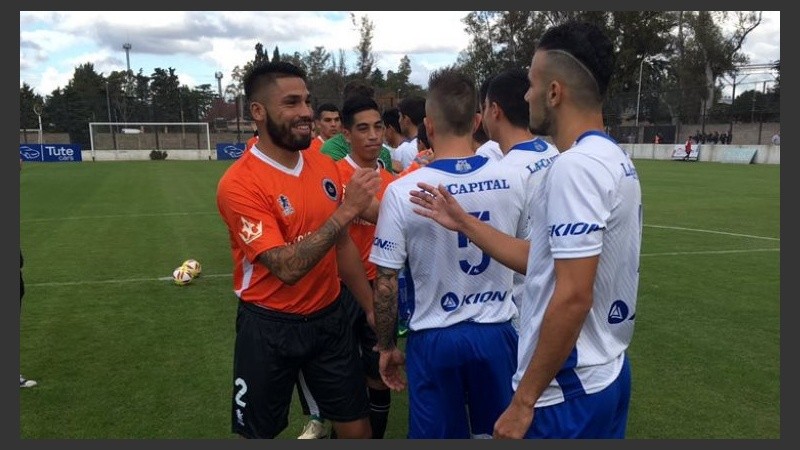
[{"x": 258, "y": 111}]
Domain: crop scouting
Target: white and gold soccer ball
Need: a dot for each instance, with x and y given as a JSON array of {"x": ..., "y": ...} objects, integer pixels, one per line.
[
  {"x": 193, "y": 266},
  {"x": 182, "y": 276}
]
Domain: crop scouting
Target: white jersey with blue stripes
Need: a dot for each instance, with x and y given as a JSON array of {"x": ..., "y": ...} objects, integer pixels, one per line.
[
  {"x": 590, "y": 203},
  {"x": 450, "y": 278}
]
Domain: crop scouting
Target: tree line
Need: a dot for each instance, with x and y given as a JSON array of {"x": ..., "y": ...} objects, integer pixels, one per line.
[{"x": 672, "y": 67}]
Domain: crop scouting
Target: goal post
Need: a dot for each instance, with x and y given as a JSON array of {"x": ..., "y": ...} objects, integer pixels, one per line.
[{"x": 140, "y": 138}]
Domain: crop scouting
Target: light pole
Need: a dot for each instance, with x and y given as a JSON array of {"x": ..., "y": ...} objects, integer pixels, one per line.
[
  {"x": 110, "y": 127},
  {"x": 639, "y": 94},
  {"x": 37, "y": 109},
  {"x": 218, "y": 76}
]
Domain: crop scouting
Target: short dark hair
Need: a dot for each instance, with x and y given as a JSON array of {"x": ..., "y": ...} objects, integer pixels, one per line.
[
  {"x": 357, "y": 87},
  {"x": 422, "y": 135},
  {"x": 413, "y": 107},
  {"x": 391, "y": 118},
  {"x": 329, "y": 107},
  {"x": 479, "y": 135},
  {"x": 507, "y": 89},
  {"x": 266, "y": 73},
  {"x": 453, "y": 101},
  {"x": 354, "y": 105},
  {"x": 588, "y": 44}
]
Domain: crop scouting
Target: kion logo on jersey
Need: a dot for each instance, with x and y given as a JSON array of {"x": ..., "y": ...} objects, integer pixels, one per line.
[
  {"x": 618, "y": 312},
  {"x": 250, "y": 230},
  {"x": 573, "y": 229},
  {"x": 450, "y": 301}
]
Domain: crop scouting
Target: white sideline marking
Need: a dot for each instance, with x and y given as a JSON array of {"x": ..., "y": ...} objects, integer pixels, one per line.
[
  {"x": 713, "y": 252},
  {"x": 714, "y": 232},
  {"x": 134, "y": 280},
  {"x": 220, "y": 275},
  {"x": 120, "y": 216},
  {"x": 124, "y": 280}
]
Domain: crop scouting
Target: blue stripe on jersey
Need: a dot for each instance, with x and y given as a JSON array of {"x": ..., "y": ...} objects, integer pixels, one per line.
[
  {"x": 567, "y": 378},
  {"x": 535, "y": 145},
  {"x": 595, "y": 133},
  {"x": 459, "y": 165},
  {"x": 602, "y": 415},
  {"x": 405, "y": 295}
]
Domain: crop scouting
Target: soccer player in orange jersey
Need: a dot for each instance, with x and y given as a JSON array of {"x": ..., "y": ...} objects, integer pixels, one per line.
[
  {"x": 252, "y": 141},
  {"x": 287, "y": 219},
  {"x": 364, "y": 130},
  {"x": 328, "y": 122}
]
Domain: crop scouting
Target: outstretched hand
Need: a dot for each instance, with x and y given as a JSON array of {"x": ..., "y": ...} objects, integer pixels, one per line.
[
  {"x": 438, "y": 204},
  {"x": 391, "y": 362}
]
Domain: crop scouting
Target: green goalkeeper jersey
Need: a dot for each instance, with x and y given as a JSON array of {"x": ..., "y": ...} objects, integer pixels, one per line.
[{"x": 337, "y": 148}]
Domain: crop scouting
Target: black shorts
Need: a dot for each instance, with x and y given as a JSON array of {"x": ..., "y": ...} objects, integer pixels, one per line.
[
  {"x": 271, "y": 351},
  {"x": 365, "y": 341},
  {"x": 365, "y": 336}
]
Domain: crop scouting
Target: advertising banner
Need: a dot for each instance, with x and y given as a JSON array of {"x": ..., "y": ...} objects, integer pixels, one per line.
[
  {"x": 229, "y": 151},
  {"x": 50, "y": 152}
]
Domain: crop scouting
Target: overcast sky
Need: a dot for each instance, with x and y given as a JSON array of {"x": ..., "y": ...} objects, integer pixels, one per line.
[{"x": 197, "y": 44}]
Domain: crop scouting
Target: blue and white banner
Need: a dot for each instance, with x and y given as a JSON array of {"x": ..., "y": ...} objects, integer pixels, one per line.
[
  {"x": 230, "y": 151},
  {"x": 50, "y": 152}
]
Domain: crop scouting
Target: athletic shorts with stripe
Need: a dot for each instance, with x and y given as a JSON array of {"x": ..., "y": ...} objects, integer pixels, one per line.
[
  {"x": 365, "y": 340},
  {"x": 272, "y": 349}
]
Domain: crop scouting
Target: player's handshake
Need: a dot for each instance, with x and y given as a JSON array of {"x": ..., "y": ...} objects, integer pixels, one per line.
[{"x": 361, "y": 189}]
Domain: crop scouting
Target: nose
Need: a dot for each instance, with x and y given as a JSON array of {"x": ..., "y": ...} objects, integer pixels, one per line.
[
  {"x": 307, "y": 111},
  {"x": 373, "y": 134}
]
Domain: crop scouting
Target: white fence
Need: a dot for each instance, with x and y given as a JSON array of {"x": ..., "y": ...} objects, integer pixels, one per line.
[
  {"x": 765, "y": 154},
  {"x": 144, "y": 155}
]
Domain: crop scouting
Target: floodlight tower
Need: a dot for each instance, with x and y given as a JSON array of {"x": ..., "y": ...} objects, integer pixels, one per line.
[
  {"x": 127, "y": 48},
  {"x": 218, "y": 75},
  {"x": 128, "y": 74}
]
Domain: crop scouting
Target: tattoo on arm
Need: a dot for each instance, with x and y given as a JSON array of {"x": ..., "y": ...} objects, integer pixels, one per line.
[
  {"x": 386, "y": 306},
  {"x": 293, "y": 261}
]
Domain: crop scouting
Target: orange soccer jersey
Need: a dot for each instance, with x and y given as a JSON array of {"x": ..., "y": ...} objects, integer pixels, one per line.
[
  {"x": 361, "y": 231},
  {"x": 250, "y": 142},
  {"x": 266, "y": 205},
  {"x": 316, "y": 144},
  {"x": 425, "y": 154}
]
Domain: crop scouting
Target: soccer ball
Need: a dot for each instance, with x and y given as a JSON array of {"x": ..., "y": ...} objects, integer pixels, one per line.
[
  {"x": 193, "y": 267},
  {"x": 181, "y": 276}
]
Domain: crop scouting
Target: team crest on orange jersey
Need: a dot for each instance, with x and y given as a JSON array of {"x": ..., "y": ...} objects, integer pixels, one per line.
[
  {"x": 287, "y": 208},
  {"x": 330, "y": 189},
  {"x": 250, "y": 230}
]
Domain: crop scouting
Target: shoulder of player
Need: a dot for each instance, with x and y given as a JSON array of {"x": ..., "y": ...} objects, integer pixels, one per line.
[
  {"x": 335, "y": 146},
  {"x": 590, "y": 162}
]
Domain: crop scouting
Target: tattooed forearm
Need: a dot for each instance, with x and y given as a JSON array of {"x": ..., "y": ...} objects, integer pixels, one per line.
[
  {"x": 386, "y": 307},
  {"x": 293, "y": 261}
]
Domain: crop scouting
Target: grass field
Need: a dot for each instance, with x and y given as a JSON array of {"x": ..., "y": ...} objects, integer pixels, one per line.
[{"x": 120, "y": 352}]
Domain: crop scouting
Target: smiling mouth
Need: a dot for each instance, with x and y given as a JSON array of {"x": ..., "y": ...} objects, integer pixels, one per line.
[{"x": 303, "y": 127}]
